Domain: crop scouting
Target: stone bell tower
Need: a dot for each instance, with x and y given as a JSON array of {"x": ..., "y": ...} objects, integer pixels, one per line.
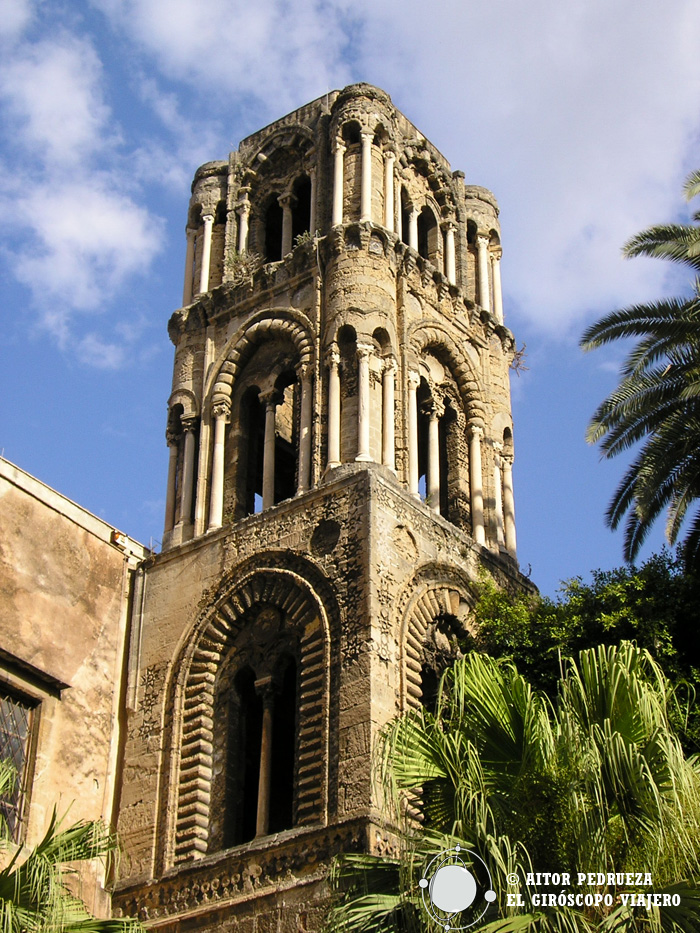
[{"x": 341, "y": 448}]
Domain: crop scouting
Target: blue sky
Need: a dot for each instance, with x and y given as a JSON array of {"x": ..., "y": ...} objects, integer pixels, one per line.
[{"x": 582, "y": 117}]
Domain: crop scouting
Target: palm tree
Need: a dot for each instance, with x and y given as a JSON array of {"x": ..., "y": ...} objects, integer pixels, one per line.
[
  {"x": 658, "y": 398},
  {"x": 597, "y": 782},
  {"x": 34, "y": 895}
]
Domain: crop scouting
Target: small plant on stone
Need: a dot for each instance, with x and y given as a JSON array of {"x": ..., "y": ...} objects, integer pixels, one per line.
[
  {"x": 305, "y": 237},
  {"x": 241, "y": 267}
]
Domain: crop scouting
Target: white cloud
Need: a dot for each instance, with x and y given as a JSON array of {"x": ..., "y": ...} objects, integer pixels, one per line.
[
  {"x": 578, "y": 116},
  {"x": 53, "y": 97},
  {"x": 16, "y": 16},
  {"x": 279, "y": 53},
  {"x": 86, "y": 239}
]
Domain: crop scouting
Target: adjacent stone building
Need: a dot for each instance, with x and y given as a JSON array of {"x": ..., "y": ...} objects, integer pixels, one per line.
[
  {"x": 341, "y": 447},
  {"x": 65, "y": 582},
  {"x": 340, "y": 473}
]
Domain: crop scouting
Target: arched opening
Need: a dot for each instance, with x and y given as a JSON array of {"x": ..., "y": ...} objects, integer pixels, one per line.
[
  {"x": 405, "y": 216},
  {"x": 442, "y": 645},
  {"x": 252, "y": 436},
  {"x": 284, "y": 729},
  {"x": 273, "y": 231},
  {"x": 347, "y": 347},
  {"x": 352, "y": 171},
  {"x": 286, "y": 436},
  {"x": 301, "y": 214},
  {"x": 242, "y": 760},
  {"x": 428, "y": 235}
]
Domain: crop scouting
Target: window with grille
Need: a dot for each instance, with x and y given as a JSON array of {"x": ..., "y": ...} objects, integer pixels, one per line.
[{"x": 15, "y": 730}]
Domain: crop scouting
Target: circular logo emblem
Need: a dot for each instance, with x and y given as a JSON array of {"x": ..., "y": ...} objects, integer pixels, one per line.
[{"x": 450, "y": 888}]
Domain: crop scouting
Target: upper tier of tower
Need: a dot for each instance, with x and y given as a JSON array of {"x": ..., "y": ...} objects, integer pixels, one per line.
[
  {"x": 342, "y": 308},
  {"x": 348, "y": 157}
]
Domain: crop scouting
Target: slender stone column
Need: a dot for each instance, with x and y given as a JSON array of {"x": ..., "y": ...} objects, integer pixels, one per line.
[
  {"x": 497, "y": 293},
  {"x": 363, "y": 414},
  {"x": 188, "y": 426},
  {"x": 171, "y": 438},
  {"x": 413, "y": 228},
  {"x": 389, "y": 190},
  {"x": 366, "y": 182},
  {"x": 189, "y": 267},
  {"x": 433, "y": 478},
  {"x": 203, "y": 476},
  {"x": 221, "y": 411},
  {"x": 338, "y": 156},
  {"x": 476, "y": 482},
  {"x": 285, "y": 202},
  {"x": 450, "y": 253},
  {"x": 268, "y": 484},
  {"x": 208, "y": 220},
  {"x": 264, "y": 686},
  {"x": 333, "y": 407},
  {"x": 482, "y": 246},
  {"x": 305, "y": 429},
  {"x": 498, "y": 492},
  {"x": 388, "y": 414},
  {"x": 312, "y": 200},
  {"x": 413, "y": 383},
  {"x": 509, "y": 504},
  {"x": 243, "y": 210}
]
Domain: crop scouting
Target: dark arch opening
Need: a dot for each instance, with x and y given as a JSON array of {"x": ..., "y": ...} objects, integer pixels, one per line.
[
  {"x": 286, "y": 437},
  {"x": 273, "y": 231},
  {"x": 428, "y": 235},
  {"x": 243, "y": 760},
  {"x": 283, "y": 747},
  {"x": 405, "y": 216},
  {"x": 252, "y": 436},
  {"x": 301, "y": 213}
]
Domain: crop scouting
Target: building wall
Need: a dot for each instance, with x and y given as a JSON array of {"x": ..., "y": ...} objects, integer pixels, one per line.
[{"x": 64, "y": 591}]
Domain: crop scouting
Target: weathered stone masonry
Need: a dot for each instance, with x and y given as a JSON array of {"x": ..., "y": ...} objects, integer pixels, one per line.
[{"x": 340, "y": 471}]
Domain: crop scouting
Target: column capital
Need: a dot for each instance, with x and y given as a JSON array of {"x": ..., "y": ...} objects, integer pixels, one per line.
[
  {"x": 476, "y": 431},
  {"x": 496, "y": 253},
  {"x": 243, "y": 207},
  {"x": 367, "y": 136},
  {"x": 208, "y": 216},
  {"x": 304, "y": 372},
  {"x": 482, "y": 240},
  {"x": 448, "y": 224},
  {"x": 221, "y": 409},
  {"x": 188, "y": 423},
  {"x": 271, "y": 397},
  {"x": 286, "y": 199},
  {"x": 333, "y": 355},
  {"x": 171, "y": 437},
  {"x": 413, "y": 380},
  {"x": 508, "y": 457},
  {"x": 390, "y": 364},
  {"x": 339, "y": 145},
  {"x": 365, "y": 350}
]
